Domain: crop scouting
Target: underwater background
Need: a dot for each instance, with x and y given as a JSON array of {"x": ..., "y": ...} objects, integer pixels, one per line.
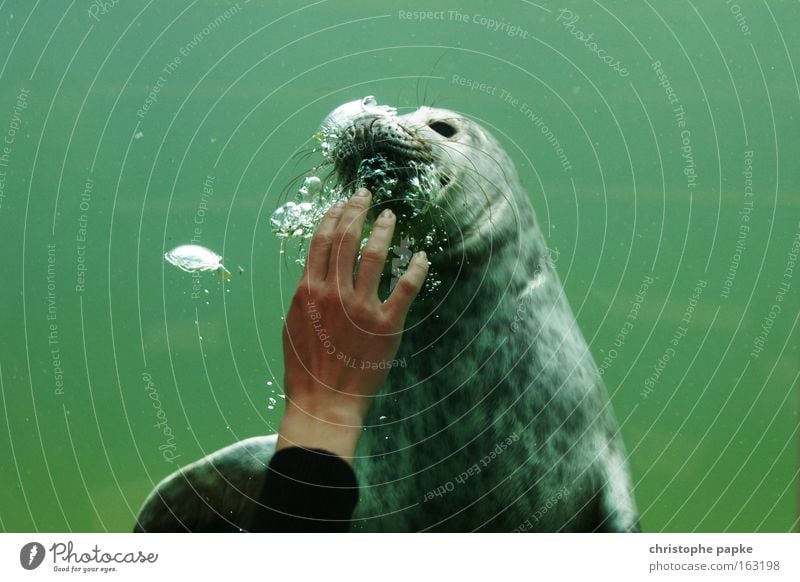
[{"x": 659, "y": 143}]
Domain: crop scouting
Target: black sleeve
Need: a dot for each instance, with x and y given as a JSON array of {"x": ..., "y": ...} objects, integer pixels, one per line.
[{"x": 306, "y": 490}]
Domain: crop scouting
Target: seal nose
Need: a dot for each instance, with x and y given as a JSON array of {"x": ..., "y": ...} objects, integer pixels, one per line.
[
  {"x": 347, "y": 132},
  {"x": 355, "y": 113},
  {"x": 352, "y": 143}
]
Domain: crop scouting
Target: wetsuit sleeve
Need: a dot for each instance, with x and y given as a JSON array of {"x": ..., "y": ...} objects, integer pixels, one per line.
[{"x": 306, "y": 490}]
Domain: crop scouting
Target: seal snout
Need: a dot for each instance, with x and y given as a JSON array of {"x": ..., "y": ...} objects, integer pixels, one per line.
[
  {"x": 370, "y": 136},
  {"x": 371, "y": 146}
]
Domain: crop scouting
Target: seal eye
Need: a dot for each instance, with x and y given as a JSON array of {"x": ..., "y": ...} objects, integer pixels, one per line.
[{"x": 443, "y": 128}]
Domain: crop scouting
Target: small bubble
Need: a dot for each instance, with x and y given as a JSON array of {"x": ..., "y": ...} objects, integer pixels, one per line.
[{"x": 311, "y": 185}]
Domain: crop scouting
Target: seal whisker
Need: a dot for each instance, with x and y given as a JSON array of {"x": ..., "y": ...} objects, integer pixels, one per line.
[{"x": 428, "y": 77}]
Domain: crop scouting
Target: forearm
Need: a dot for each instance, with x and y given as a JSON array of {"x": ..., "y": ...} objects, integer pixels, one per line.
[
  {"x": 335, "y": 428},
  {"x": 327, "y": 399}
]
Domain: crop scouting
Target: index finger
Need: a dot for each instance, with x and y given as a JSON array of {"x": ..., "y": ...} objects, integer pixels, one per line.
[
  {"x": 347, "y": 238},
  {"x": 320, "y": 250}
]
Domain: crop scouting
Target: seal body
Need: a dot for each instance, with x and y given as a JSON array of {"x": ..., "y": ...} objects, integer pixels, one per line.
[
  {"x": 500, "y": 417},
  {"x": 499, "y": 420}
]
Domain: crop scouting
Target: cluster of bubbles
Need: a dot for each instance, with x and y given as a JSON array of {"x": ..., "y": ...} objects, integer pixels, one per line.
[
  {"x": 271, "y": 400},
  {"x": 411, "y": 190},
  {"x": 299, "y": 219},
  {"x": 416, "y": 192}
]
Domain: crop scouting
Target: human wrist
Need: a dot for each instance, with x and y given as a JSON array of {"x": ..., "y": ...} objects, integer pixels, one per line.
[{"x": 312, "y": 425}]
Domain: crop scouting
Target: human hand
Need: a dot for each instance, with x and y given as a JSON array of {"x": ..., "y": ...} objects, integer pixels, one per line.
[{"x": 339, "y": 339}]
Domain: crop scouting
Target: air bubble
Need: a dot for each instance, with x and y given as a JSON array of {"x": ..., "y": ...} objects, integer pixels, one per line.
[{"x": 311, "y": 185}]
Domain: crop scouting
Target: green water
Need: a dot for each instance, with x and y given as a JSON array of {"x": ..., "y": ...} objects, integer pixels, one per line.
[{"x": 137, "y": 127}]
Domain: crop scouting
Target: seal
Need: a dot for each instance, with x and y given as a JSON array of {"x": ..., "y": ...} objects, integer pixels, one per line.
[{"x": 500, "y": 420}]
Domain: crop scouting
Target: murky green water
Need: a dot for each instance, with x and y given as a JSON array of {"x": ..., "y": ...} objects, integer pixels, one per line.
[{"x": 659, "y": 143}]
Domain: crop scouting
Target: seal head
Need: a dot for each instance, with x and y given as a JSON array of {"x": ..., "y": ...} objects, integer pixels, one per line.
[{"x": 432, "y": 166}]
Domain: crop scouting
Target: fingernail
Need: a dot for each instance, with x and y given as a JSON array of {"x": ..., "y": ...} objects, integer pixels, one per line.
[
  {"x": 387, "y": 214},
  {"x": 363, "y": 192},
  {"x": 421, "y": 257},
  {"x": 339, "y": 204}
]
